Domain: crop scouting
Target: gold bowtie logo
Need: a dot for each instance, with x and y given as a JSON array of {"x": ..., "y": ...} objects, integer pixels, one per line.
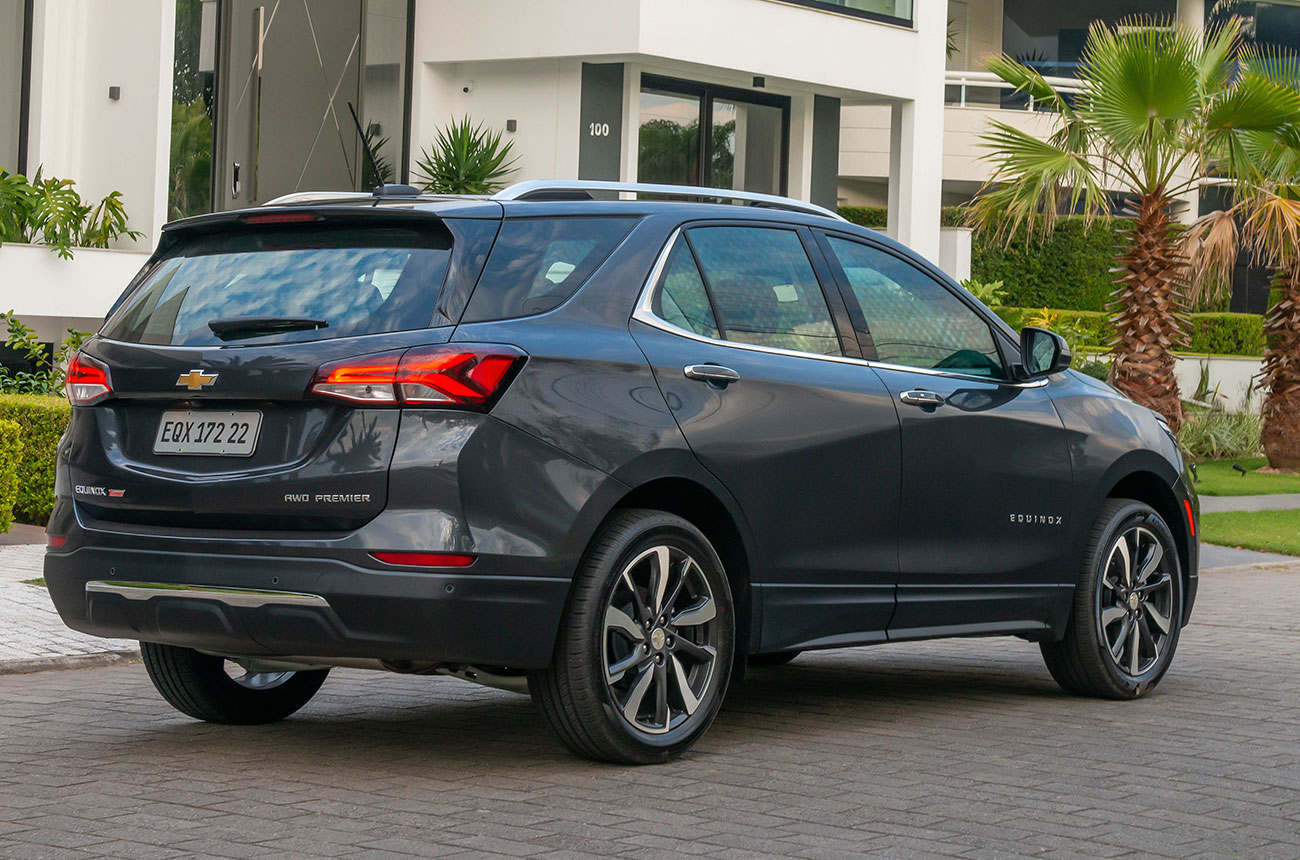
[{"x": 196, "y": 379}]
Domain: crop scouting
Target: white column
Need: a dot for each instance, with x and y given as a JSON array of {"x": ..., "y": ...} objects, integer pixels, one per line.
[
  {"x": 916, "y": 141},
  {"x": 1191, "y": 13},
  {"x": 799, "y": 184}
]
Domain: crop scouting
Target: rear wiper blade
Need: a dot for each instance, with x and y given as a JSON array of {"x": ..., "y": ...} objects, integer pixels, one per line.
[{"x": 237, "y": 327}]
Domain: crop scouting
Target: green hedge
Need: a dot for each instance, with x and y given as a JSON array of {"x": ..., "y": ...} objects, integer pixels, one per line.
[
  {"x": 1072, "y": 269},
  {"x": 11, "y": 455},
  {"x": 42, "y": 421},
  {"x": 877, "y": 217},
  {"x": 1216, "y": 334}
]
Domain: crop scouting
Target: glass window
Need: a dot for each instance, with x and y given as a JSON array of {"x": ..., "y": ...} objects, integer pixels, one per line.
[
  {"x": 669, "y": 142},
  {"x": 913, "y": 320},
  {"x": 189, "y": 187},
  {"x": 746, "y": 150},
  {"x": 764, "y": 288},
  {"x": 353, "y": 280},
  {"x": 11, "y": 81},
  {"x": 537, "y": 263},
  {"x": 900, "y": 9},
  {"x": 682, "y": 299}
]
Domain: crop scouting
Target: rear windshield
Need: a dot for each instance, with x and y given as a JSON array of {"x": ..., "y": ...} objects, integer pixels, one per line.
[
  {"x": 537, "y": 263},
  {"x": 286, "y": 285}
]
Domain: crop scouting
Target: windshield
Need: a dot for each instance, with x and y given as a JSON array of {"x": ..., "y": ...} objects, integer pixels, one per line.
[{"x": 345, "y": 280}]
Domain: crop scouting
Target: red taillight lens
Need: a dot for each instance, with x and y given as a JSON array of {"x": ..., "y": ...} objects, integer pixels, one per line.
[
  {"x": 55, "y": 541},
  {"x": 457, "y": 376},
  {"x": 87, "y": 380},
  {"x": 369, "y": 379},
  {"x": 424, "y": 559}
]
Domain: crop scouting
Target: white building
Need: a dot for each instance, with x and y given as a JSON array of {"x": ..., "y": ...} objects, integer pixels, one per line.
[{"x": 593, "y": 89}]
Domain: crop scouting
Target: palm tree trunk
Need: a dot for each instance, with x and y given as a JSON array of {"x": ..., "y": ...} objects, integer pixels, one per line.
[
  {"x": 1147, "y": 312},
  {"x": 1281, "y": 436}
]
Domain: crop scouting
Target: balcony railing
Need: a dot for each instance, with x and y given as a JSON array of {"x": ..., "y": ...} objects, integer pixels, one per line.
[{"x": 987, "y": 90}]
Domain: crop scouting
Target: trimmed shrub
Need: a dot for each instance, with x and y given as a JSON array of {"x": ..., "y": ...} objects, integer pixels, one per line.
[
  {"x": 1214, "y": 334},
  {"x": 42, "y": 421},
  {"x": 1227, "y": 334},
  {"x": 1072, "y": 269},
  {"x": 877, "y": 217},
  {"x": 11, "y": 454}
]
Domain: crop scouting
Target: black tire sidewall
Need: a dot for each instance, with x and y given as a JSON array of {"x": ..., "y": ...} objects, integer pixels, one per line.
[{"x": 1126, "y": 517}]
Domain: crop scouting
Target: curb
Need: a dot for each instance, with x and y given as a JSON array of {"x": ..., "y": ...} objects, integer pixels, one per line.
[
  {"x": 1277, "y": 566},
  {"x": 72, "y": 661}
]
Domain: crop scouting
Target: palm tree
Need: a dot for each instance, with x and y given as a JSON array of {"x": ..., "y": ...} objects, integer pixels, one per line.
[
  {"x": 1265, "y": 218},
  {"x": 1162, "y": 108}
]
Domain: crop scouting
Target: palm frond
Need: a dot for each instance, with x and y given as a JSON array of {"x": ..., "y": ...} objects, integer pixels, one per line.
[{"x": 1210, "y": 246}]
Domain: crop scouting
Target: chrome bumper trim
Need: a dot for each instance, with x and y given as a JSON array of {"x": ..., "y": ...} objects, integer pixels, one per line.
[{"x": 242, "y": 597}]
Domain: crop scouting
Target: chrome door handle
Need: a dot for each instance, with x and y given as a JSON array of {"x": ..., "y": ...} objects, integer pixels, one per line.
[
  {"x": 711, "y": 373},
  {"x": 921, "y": 397}
]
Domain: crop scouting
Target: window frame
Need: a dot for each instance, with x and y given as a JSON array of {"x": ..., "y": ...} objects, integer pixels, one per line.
[
  {"x": 861, "y": 329},
  {"x": 837, "y": 9},
  {"x": 707, "y": 93},
  {"x": 644, "y": 311}
]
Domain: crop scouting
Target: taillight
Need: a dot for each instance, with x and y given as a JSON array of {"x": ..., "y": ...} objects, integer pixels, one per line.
[
  {"x": 424, "y": 559},
  {"x": 87, "y": 380},
  {"x": 458, "y": 376}
]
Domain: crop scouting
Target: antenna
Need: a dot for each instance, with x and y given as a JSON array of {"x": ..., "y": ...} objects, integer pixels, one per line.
[{"x": 374, "y": 165}]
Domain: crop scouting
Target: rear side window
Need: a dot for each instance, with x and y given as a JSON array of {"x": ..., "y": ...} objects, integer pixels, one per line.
[
  {"x": 352, "y": 280},
  {"x": 538, "y": 263},
  {"x": 764, "y": 289}
]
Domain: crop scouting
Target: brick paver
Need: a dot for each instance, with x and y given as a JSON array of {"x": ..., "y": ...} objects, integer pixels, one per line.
[
  {"x": 33, "y": 636},
  {"x": 949, "y": 749}
]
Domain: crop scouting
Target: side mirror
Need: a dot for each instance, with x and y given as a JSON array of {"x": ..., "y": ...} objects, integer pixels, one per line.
[{"x": 1043, "y": 352}]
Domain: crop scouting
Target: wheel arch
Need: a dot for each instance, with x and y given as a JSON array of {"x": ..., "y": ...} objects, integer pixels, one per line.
[{"x": 1148, "y": 487}]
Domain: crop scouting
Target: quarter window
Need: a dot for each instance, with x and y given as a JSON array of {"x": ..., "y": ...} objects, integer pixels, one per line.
[
  {"x": 912, "y": 319},
  {"x": 683, "y": 300},
  {"x": 764, "y": 289}
]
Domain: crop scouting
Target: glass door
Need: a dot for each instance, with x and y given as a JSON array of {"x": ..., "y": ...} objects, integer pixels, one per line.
[{"x": 746, "y": 147}]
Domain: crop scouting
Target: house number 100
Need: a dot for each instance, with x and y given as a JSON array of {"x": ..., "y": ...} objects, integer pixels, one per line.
[{"x": 598, "y": 129}]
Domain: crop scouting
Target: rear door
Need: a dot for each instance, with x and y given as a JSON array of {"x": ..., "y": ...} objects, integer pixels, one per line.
[
  {"x": 986, "y": 476},
  {"x": 745, "y": 348},
  {"x": 210, "y": 358}
]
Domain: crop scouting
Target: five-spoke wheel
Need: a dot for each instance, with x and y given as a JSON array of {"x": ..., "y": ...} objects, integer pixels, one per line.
[{"x": 645, "y": 649}]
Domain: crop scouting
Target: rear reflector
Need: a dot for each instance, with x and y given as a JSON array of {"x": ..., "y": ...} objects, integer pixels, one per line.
[
  {"x": 1191, "y": 520},
  {"x": 55, "y": 541},
  {"x": 458, "y": 376},
  {"x": 424, "y": 559},
  {"x": 87, "y": 380}
]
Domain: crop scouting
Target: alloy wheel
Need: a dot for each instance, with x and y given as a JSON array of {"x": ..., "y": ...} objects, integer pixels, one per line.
[
  {"x": 255, "y": 680},
  {"x": 1135, "y": 604},
  {"x": 660, "y": 640}
]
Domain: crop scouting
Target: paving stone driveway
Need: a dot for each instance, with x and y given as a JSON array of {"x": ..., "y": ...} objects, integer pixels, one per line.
[{"x": 943, "y": 749}]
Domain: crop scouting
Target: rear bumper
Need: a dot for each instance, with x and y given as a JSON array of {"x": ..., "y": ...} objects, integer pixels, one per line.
[{"x": 264, "y": 606}]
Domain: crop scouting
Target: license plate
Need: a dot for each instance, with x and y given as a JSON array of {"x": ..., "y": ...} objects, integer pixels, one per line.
[{"x": 203, "y": 432}]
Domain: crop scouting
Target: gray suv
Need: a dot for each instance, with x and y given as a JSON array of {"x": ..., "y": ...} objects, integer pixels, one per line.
[{"x": 608, "y": 451}]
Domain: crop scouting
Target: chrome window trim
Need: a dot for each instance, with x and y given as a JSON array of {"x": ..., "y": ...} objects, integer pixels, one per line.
[
  {"x": 644, "y": 313},
  {"x": 248, "y": 598}
]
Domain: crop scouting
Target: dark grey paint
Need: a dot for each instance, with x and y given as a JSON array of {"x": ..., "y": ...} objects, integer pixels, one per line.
[
  {"x": 600, "y": 155},
  {"x": 826, "y": 151}
]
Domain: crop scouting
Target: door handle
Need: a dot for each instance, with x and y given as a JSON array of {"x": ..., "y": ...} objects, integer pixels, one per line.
[
  {"x": 711, "y": 373},
  {"x": 921, "y": 397}
]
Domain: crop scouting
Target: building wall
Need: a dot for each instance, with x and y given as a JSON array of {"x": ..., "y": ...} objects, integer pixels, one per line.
[{"x": 79, "y": 49}]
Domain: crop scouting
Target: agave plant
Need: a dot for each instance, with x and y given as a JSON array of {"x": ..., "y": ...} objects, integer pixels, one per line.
[
  {"x": 1164, "y": 109},
  {"x": 466, "y": 159},
  {"x": 1265, "y": 218}
]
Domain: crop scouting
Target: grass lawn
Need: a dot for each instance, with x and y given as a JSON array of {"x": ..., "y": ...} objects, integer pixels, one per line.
[
  {"x": 1268, "y": 531},
  {"x": 1218, "y": 478}
]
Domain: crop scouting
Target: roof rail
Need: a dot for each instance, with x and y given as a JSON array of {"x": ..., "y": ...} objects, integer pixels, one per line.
[
  {"x": 545, "y": 187},
  {"x": 316, "y": 197}
]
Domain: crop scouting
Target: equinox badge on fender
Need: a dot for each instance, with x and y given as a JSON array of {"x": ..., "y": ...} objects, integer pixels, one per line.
[{"x": 196, "y": 379}]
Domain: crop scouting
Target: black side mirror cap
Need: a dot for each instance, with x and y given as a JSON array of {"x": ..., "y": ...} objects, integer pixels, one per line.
[{"x": 1043, "y": 352}]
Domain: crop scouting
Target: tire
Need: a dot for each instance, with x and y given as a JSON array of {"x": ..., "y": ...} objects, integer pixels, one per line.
[
  {"x": 1122, "y": 632},
  {"x": 665, "y": 681},
  {"x": 776, "y": 658},
  {"x": 198, "y": 686}
]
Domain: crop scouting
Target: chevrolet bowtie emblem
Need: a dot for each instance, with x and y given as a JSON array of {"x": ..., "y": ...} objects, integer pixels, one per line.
[{"x": 196, "y": 379}]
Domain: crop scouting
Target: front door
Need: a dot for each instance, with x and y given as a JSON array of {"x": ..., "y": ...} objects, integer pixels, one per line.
[
  {"x": 986, "y": 474},
  {"x": 744, "y": 348}
]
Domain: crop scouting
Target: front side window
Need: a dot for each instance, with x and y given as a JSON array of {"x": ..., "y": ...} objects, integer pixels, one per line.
[
  {"x": 912, "y": 319},
  {"x": 764, "y": 289}
]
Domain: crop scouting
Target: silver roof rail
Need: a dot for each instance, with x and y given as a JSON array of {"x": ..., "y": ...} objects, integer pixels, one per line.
[
  {"x": 525, "y": 190},
  {"x": 316, "y": 197}
]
